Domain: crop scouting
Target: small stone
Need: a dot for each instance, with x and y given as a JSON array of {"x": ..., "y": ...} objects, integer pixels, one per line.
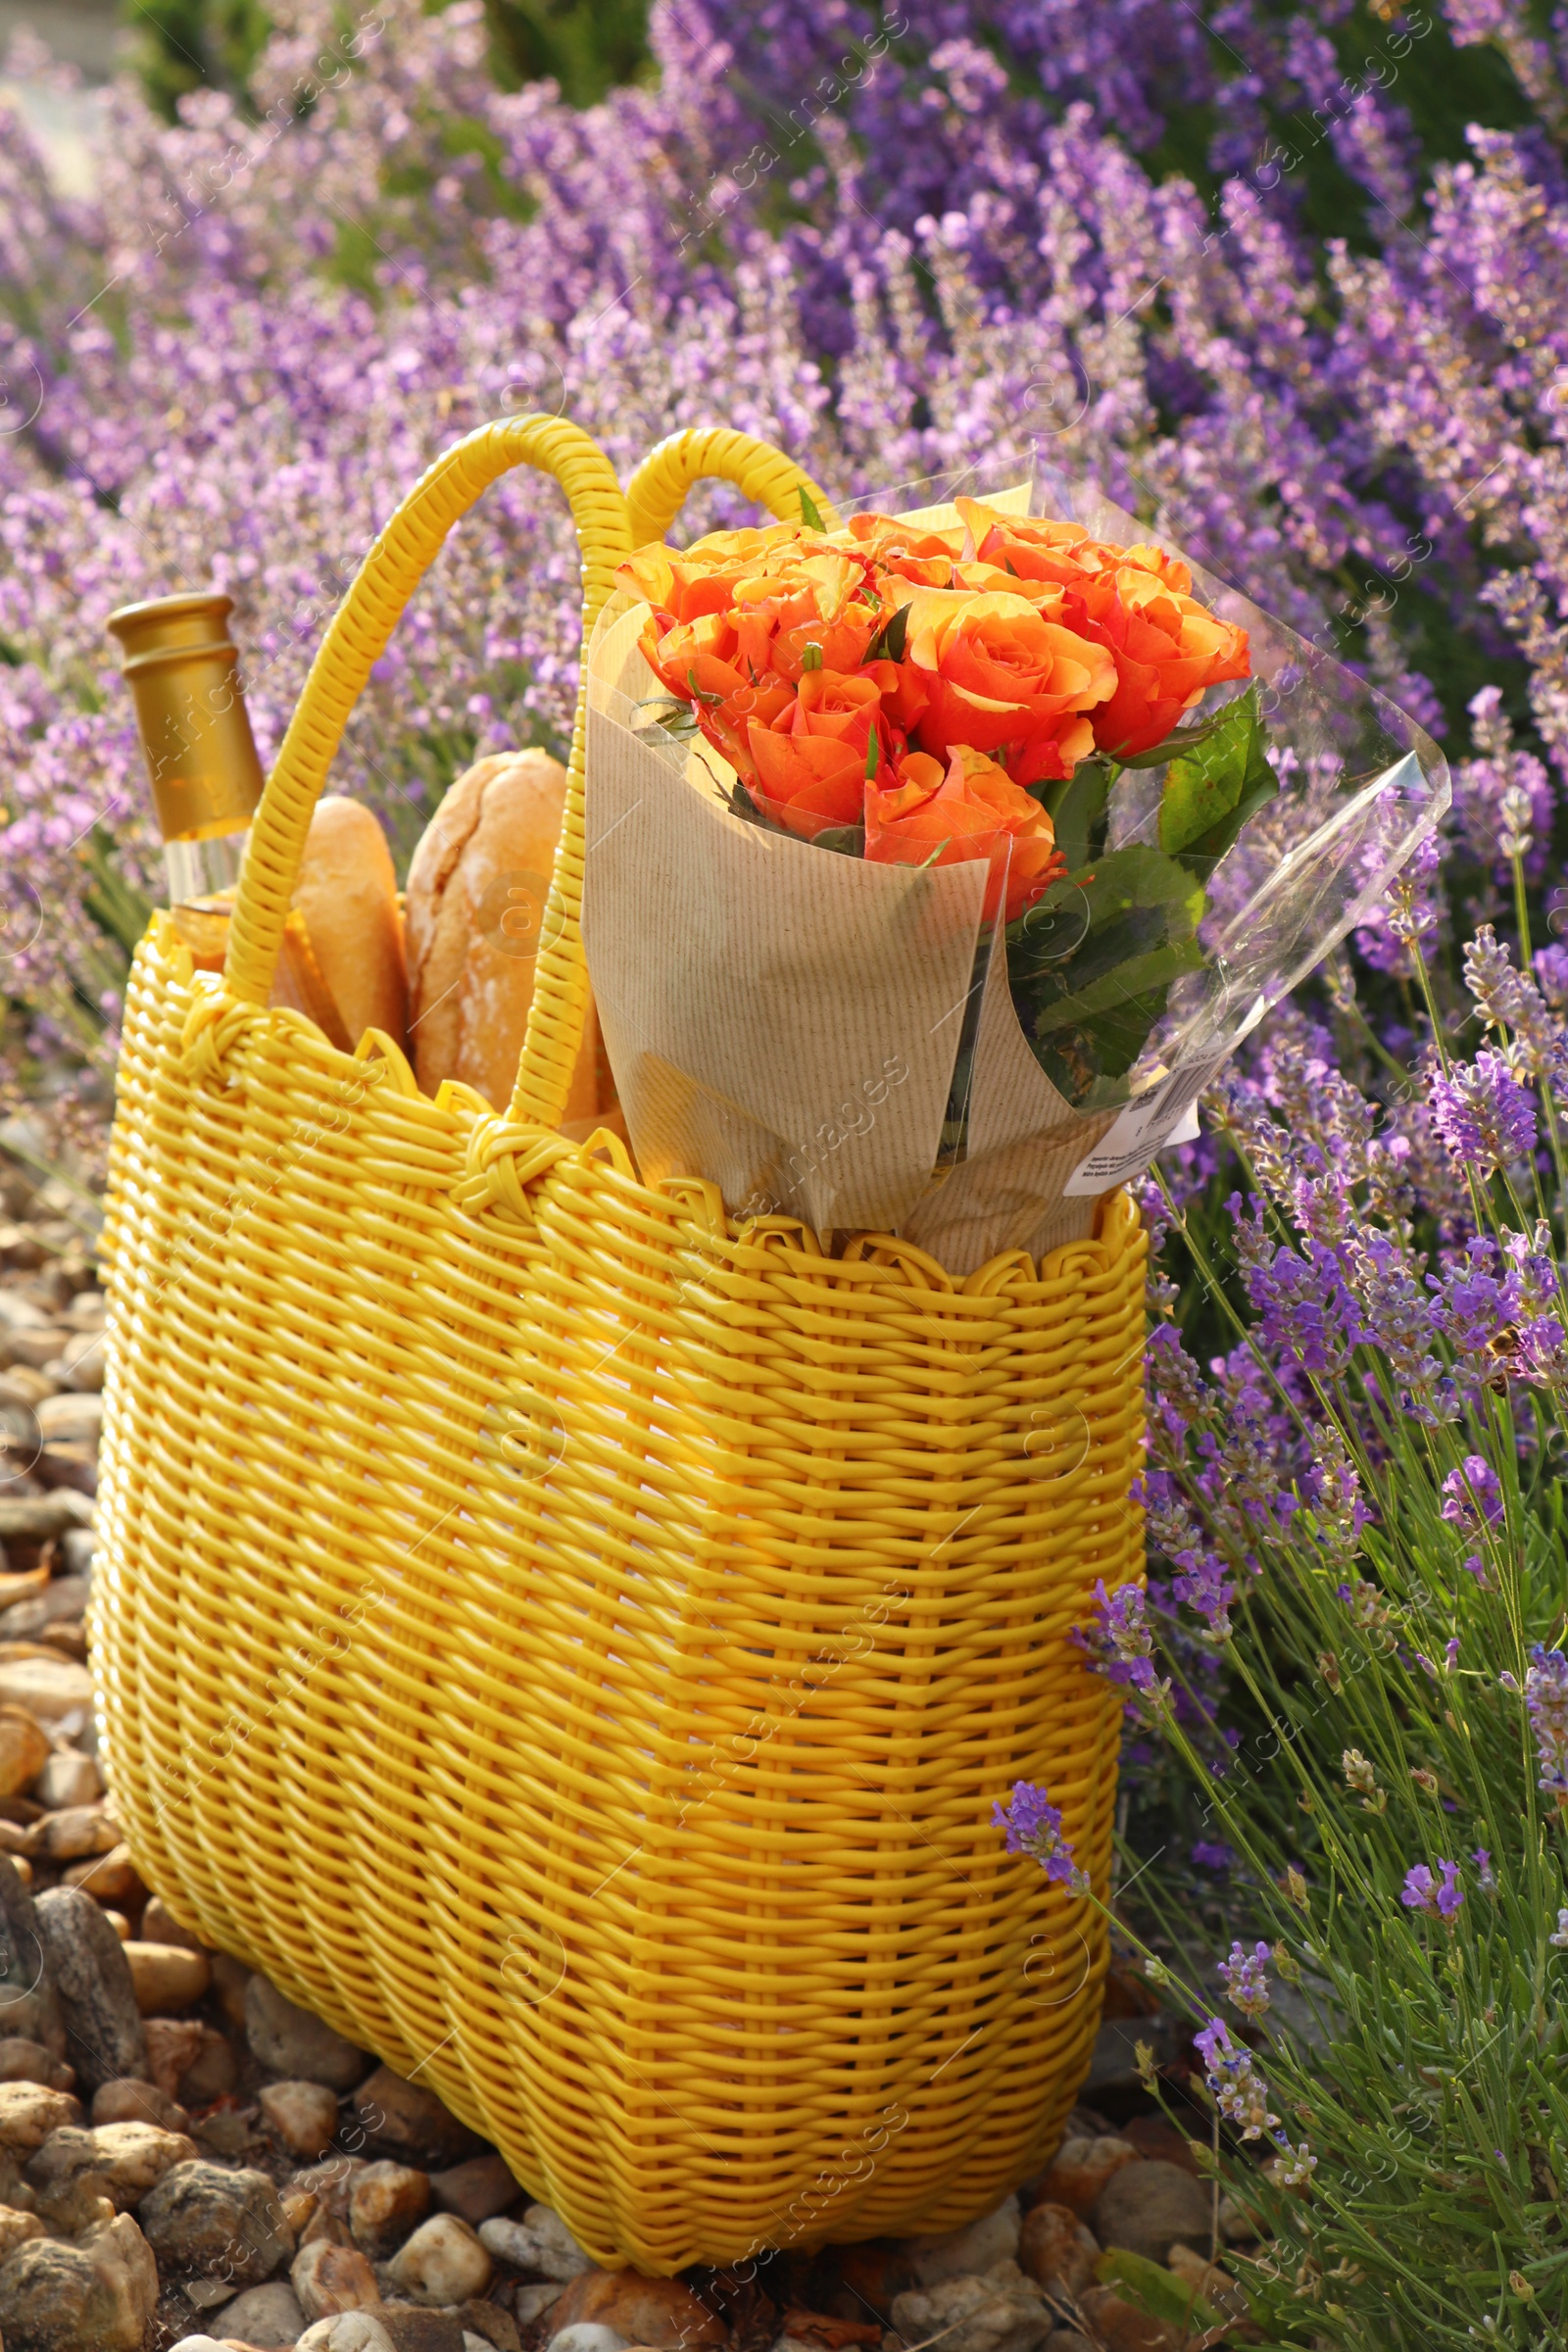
[
  {"x": 290, "y": 2041},
  {"x": 128, "y": 2101},
  {"x": 26, "y": 1620},
  {"x": 119, "y": 2161},
  {"x": 1147, "y": 2205},
  {"x": 969, "y": 2252},
  {"x": 78, "y": 1545},
  {"x": 267, "y": 2317},
  {"x": 303, "y": 2116},
  {"x": 331, "y": 2182},
  {"x": 201, "y": 2215},
  {"x": 386, "y": 2202},
  {"x": 173, "y": 2044},
  {"x": 96, "y": 2295},
  {"x": 23, "y": 1751},
  {"x": 108, "y": 1878},
  {"x": 65, "y": 1837},
  {"x": 166, "y": 1976},
  {"x": 491, "y": 2324},
  {"x": 1004, "y": 2311},
  {"x": 1120, "y": 2327},
  {"x": 410, "y": 2121},
  {"x": 24, "y": 2061},
  {"x": 66, "y": 1779},
  {"x": 94, "y": 1981},
  {"x": 50, "y": 1689},
  {"x": 29, "y": 2112},
  {"x": 474, "y": 2190},
  {"x": 1080, "y": 2171},
  {"x": 212, "y": 2074},
  {"x": 228, "y": 2132},
  {"x": 17, "y": 2228},
  {"x": 231, "y": 1981},
  {"x": 443, "y": 2262},
  {"x": 1056, "y": 2250},
  {"x": 531, "y": 2302},
  {"x": 589, "y": 2335},
  {"x": 73, "y": 1417},
  {"x": 159, "y": 1926},
  {"x": 413, "y": 2330},
  {"x": 118, "y": 1922},
  {"x": 540, "y": 2244},
  {"x": 347, "y": 2331},
  {"x": 80, "y": 1364},
  {"x": 329, "y": 2279},
  {"x": 659, "y": 2311}
]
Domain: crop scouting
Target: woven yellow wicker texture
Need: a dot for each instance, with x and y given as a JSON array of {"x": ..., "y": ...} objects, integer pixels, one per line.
[{"x": 574, "y": 1644}]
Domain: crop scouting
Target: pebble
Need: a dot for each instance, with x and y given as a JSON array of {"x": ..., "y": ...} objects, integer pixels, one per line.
[
  {"x": 303, "y": 2116},
  {"x": 588, "y": 2336},
  {"x": 1055, "y": 2249},
  {"x": 111, "y": 1879},
  {"x": 290, "y": 2041},
  {"x": 1080, "y": 2170},
  {"x": 269, "y": 2317},
  {"x": 120, "y": 2161},
  {"x": 211, "y": 2072},
  {"x": 79, "y": 1830},
  {"x": 474, "y": 2190},
  {"x": 202, "y": 2216},
  {"x": 24, "y": 2061},
  {"x": 443, "y": 2262},
  {"x": 68, "y": 1778},
  {"x": 968, "y": 2252},
  {"x": 659, "y": 2311},
  {"x": 173, "y": 2044},
  {"x": 493, "y": 2326},
  {"x": 329, "y": 2279},
  {"x": 64, "y": 1597},
  {"x": 385, "y": 2202},
  {"x": 166, "y": 1976},
  {"x": 532, "y": 2302},
  {"x": 75, "y": 1418},
  {"x": 95, "y": 2295},
  {"x": 540, "y": 2244},
  {"x": 159, "y": 1926},
  {"x": 350, "y": 2332},
  {"x": 127, "y": 2101},
  {"x": 29, "y": 2112},
  {"x": 94, "y": 1981},
  {"x": 410, "y": 2121},
  {"x": 15, "y": 2228},
  {"x": 1003, "y": 2312},
  {"x": 413, "y": 2330},
  {"x": 1147, "y": 2205},
  {"x": 23, "y": 1750}
]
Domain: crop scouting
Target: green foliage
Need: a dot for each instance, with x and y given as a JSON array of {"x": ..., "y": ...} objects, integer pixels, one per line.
[
  {"x": 587, "y": 46},
  {"x": 185, "y": 45}
]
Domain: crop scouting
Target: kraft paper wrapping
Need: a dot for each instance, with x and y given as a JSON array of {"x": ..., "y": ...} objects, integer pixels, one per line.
[{"x": 785, "y": 1021}]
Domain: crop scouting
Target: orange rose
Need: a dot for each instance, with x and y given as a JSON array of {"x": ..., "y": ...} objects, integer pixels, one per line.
[
  {"x": 823, "y": 598},
  {"x": 973, "y": 809},
  {"x": 694, "y": 661},
  {"x": 809, "y": 764},
  {"x": 683, "y": 586},
  {"x": 904, "y": 548},
  {"x": 1169, "y": 650},
  {"x": 1001, "y": 679}
]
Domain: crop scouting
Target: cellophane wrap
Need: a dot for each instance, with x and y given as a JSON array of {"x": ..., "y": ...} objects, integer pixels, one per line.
[{"x": 787, "y": 1021}]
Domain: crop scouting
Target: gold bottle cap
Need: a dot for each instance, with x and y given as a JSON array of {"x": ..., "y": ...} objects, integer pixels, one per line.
[{"x": 190, "y": 712}]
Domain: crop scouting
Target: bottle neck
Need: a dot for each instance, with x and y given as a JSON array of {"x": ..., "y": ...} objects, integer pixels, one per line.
[{"x": 199, "y": 869}]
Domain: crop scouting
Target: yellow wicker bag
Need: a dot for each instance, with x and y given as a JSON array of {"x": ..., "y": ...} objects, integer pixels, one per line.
[{"x": 571, "y": 1642}]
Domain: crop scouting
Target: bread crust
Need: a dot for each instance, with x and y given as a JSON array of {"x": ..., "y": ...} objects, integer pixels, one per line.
[
  {"x": 473, "y": 912},
  {"x": 348, "y": 896}
]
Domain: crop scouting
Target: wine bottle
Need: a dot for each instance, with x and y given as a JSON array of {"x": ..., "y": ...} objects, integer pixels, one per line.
[{"x": 183, "y": 668}]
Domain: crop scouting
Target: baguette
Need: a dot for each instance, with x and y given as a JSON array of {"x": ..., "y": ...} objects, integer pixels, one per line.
[
  {"x": 473, "y": 911},
  {"x": 347, "y": 893}
]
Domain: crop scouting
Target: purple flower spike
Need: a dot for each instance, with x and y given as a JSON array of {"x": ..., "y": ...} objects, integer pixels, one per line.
[
  {"x": 1420, "y": 1890},
  {"x": 1471, "y": 1497},
  {"x": 1033, "y": 1825},
  {"x": 1546, "y": 1697},
  {"x": 1483, "y": 1115},
  {"x": 1246, "y": 1978}
]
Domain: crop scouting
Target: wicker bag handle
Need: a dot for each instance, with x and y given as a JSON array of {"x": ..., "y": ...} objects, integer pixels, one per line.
[{"x": 358, "y": 636}]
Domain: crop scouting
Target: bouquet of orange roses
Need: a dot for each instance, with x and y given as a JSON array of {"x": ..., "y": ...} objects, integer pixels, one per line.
[{"x": 1016, "y": 729}]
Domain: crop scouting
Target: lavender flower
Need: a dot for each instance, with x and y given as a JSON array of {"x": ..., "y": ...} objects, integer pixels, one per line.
[
  {"x": 1422, "y": 1892},
  {"x": 1486, "y": 1875},
  {"x": 1246, "y": 1978},
  {"x": 1211, "y": 1854},
  {"x": 1561, "y": 1939},
  {"x": 1547, "y": 1698},
  {"x": 1294, "y": 2168},
  {"x": 1033, "y": 1825},
  {"x": 1483, "y": 1113},
  {"x": 1471, "y": 1497},
  {"x": 1239, "y": 2089},
  {"x": 1119, "y": 1640}
]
